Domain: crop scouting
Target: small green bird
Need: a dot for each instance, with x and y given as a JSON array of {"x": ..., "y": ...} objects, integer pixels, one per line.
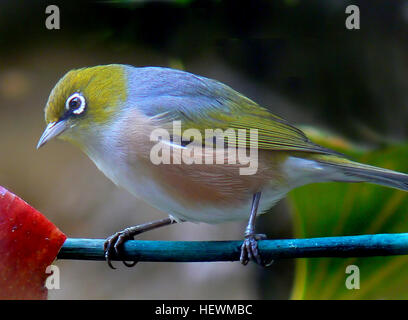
[{"x": 156, "y": 132}]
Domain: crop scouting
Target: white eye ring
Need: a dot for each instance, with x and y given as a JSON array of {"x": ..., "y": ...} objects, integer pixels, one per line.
[{"x": 82, "y": 103}]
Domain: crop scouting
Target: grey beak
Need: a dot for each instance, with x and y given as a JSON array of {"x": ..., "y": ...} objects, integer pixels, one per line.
[{"x": 53, "y": 130}]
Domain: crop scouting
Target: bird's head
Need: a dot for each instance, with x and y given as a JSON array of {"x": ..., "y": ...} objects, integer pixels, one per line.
[{"x": 83, "y": 101}]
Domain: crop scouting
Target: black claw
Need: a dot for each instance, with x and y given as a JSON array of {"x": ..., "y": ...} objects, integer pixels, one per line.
[
  {"x": 268, "y": 264},
  {"x": 123, "y": 237},
  {"x": 129, "y": 265},
  {"x": 110, "y": 263},
  {"x": 244, "y": 255},
  {"x": 113, "y": 246},
  {"x": 107, "y": 246}
]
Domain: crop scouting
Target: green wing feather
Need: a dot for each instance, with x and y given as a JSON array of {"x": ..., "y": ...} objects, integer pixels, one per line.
[
  {"x": 274, "y": 133},
  {"x": 224, "y": 108}
]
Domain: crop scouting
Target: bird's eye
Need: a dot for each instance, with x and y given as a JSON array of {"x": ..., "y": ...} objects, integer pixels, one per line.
[{"x": 76, "y": 103}]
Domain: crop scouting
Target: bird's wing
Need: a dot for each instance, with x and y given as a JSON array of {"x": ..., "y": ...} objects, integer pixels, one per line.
[{"x": 202, "y": 103}]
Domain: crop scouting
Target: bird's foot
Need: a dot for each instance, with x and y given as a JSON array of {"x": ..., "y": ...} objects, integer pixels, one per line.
[
  {"x": 249, "y": 250},
  {"x": 114, "y": 244}
]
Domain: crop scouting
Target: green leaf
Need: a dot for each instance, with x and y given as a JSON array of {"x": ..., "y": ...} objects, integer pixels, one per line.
[{"x": 340, "y": 209}]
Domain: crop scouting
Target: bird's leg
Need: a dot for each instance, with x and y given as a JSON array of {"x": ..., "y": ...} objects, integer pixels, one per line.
[
  {"x": 113, "y": 244},
  {"x": 249, "y": 249}
]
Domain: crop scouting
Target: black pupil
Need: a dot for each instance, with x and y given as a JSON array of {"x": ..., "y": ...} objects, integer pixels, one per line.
[{"x": 74, "y": 103}]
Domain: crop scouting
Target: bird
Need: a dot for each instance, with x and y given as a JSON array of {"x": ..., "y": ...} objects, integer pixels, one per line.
[{"x": 180, "y": 142}]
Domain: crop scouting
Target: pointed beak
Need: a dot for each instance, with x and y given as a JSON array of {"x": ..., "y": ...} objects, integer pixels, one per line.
[{"x": 53, "y": 130}]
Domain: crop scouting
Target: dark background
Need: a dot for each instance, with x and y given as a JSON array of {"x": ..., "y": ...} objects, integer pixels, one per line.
[{"x": 295, "y": 57}]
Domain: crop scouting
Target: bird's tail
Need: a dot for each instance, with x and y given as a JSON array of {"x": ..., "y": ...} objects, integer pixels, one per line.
[{"x": 350, "y": 171}]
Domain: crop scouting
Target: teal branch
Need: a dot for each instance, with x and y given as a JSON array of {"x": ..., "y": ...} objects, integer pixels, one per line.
[{"x": 210, "y": 251}]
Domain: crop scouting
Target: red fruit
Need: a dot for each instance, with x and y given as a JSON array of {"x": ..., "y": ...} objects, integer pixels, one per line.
[{"x": 28, "y": 244}]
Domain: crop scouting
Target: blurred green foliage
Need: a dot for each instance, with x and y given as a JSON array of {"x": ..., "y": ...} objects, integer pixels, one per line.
[{"x": 340, "y": 209}]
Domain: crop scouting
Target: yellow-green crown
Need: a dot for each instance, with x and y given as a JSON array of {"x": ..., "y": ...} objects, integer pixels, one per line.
[{"x": 102, "y": 86}]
